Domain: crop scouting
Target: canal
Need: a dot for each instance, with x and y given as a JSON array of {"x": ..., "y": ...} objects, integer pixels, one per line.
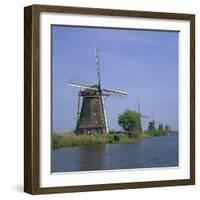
[{"x": 152, "y": 152}]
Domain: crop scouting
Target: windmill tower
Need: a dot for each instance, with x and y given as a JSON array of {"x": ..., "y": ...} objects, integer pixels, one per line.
[
  {"x": 167, "y": 128},
  {"x": 164, "y": 127},
  {"x": 152, "y": 124},
  {"x": 141, "y": 116},
  {"x": 160, "y": 127},
  {"x": 91, "y": 118}
]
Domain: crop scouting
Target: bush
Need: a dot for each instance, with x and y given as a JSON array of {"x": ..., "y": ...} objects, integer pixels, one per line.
[
  {"x": 130, "y": 134},
  {"x": 116, "y": 137},
  {"x": 129, "y": 120},
  {"x": 138, "y": 135},
  {"x": 111, "y": 132}
]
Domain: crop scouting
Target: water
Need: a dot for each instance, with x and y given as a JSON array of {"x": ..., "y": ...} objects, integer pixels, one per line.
[{"x": 152, "y": 152}]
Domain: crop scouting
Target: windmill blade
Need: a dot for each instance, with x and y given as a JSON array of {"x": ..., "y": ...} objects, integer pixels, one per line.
[
  {"x": 139, "y": 110},
  {"x": 98, "y": 65},
  {"x": 138, "y": 104},
  {"x": 78, "y": 107},
  {"x": 83, "y": 86},
  {"x": 114, "y": 91}
]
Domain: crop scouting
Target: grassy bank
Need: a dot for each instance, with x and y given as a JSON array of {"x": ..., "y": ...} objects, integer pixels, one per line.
[
  {"x": 155, "y": 133},
  {"x": 71, "y": 140}
]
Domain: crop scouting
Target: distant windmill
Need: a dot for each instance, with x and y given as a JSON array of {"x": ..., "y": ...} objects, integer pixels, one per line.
[
  {"x": 161, "y": 127},
  {"x": 141, "y": 115},
  {"x": 92, "y": 116},
  {"x": 152, "y": 124},
  {"x": 167, "y": 128}
]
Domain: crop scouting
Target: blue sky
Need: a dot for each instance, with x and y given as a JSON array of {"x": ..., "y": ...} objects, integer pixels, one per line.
[{"x": 141, "y": 62}]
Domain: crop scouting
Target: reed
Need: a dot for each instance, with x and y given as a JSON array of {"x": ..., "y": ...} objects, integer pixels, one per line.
[{"x": 71, "y": 140}]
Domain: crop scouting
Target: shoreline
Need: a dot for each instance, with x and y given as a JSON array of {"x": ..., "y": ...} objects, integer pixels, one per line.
[{"x": 72, "y": 140}]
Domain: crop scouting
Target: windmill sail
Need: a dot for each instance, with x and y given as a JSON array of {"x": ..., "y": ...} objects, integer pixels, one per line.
[
  {"x": 83, "y": 86},
  {"x": 115, "y": 91},
  {"x": 78, "y": 108},
  {"x": 98, "y": 67},
  {"x": 92, "y": 116}
]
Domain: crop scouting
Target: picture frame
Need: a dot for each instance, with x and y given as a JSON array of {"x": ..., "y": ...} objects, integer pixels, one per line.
[{"x": 34, "y": 142}]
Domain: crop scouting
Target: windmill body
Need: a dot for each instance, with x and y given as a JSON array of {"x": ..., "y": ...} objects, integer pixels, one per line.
[
  {"x": 160, "y": 127},
  {"x": 152, "y": 124},
  {"x": 92, "y": 118},
  {"x": 141, "y": 116},
  {"x": 91, "y": 115}
]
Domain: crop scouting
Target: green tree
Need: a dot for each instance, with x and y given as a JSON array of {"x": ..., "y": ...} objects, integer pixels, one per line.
[{"x": 130, "y": 120}]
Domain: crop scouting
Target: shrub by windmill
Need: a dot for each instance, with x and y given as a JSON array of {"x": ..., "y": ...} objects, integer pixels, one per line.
[{"x": 91, "y": 118}]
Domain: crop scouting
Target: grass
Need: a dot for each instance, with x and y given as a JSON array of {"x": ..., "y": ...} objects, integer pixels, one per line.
[
  {"x": 72, "y": 140},
  {"x": 155, "y": 133}
]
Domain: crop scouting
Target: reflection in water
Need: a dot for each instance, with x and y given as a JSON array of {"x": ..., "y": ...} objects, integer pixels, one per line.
[
  {"x": 92, "y": 157},
  {"x": 152, "y": 152}
]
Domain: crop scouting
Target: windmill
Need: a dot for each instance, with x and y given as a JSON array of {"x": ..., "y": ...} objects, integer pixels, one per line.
[
  {"x": 152, "y": 124},
  {"x": 161, "y": 126},
  {"x": 167, "y": 128},
  {"x": 164, "y": 127},
  {"x": 91, "y": 115},
  {"x": 141, "y": 115}
]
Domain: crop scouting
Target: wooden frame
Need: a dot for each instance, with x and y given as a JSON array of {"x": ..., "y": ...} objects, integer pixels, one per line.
[{"x": 32, "y": 96}]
